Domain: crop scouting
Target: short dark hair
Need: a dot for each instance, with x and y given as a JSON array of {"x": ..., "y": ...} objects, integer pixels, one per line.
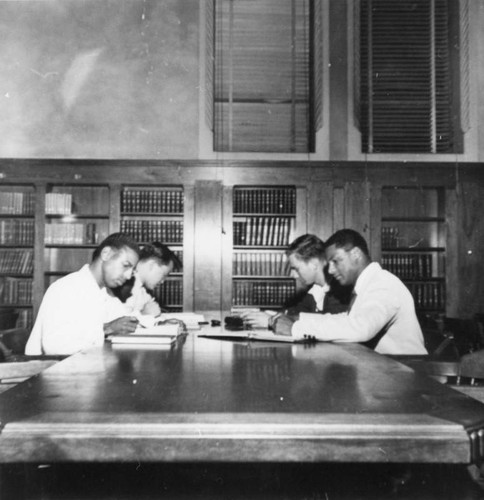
[
  {"x": 306, "y": 247},
  {"x": 348, "y": 239},
  {"x": 117, "y": 241},
  {"x": 161, "y": 253}
]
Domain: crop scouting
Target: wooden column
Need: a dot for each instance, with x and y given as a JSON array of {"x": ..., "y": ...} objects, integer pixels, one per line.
[{"x": 207, "y": 246}]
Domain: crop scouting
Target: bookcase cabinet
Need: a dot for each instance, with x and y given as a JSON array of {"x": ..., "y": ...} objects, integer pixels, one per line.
[
  {"x": 413, "y": 242},
  {"x": 17, "y": 237},
  {"x": 263, "y": 226},
  {"x": 76, "y": 220},
  {"x": 231, "y": 221}
]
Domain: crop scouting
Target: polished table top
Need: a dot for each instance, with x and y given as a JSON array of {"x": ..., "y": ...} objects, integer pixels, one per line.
[{"x": 217, "y": 400}]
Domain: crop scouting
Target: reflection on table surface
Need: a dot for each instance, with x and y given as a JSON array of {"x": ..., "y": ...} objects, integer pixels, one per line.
[{"x": 210, "y": 375}]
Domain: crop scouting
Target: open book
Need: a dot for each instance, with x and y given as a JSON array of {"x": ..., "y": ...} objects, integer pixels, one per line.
[
  {"x": 253, "y": 334},
  {"x": 190, "y": 320},
  {"x": 158, "y": 334}
]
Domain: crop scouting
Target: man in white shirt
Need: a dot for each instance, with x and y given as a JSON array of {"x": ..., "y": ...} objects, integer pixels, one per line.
[
  {"x": 382, "y": 311},
  {"x": 76, "y": 311}
]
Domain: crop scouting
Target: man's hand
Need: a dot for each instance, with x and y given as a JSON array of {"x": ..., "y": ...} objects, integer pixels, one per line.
[
  {"x": 283, "y": 325},
  {"x": 123, "y": 325},
  {"x": 151, "y": 308},
  {"x": 256, "y": 319}
]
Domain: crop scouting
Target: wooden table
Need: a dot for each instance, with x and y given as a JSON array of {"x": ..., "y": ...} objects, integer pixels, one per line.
[{"x": 208, "y": 400}]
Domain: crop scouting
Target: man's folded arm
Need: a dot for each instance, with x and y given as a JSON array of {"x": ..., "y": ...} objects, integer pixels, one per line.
[{"x": 360, "y": 326}]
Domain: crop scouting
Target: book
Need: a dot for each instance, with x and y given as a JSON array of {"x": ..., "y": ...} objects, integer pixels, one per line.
[
  {"x": 189, "y": 319},
  {"x": 257, "y": 334},
  {"x": 157, "y": 334},
  {"x": 137, "y": 339}
]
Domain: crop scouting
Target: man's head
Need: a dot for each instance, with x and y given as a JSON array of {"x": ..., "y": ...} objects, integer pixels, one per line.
[
  {"x": 156, "y": 262},
  {"x": 114, "y": 260},
  {"x": 307, "y": 259},
  {"x": 347, "y": 255}
]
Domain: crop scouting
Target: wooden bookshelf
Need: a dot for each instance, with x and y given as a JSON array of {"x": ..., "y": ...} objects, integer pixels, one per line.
[
  {"x": 76, "y": 221},
  {"x": 413, "y": 242},
  {"x": 263, "y": 226},
  {"x": 17, "y": 237}
]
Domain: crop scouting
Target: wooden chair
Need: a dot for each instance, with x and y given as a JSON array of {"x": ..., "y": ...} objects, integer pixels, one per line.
[
  {"x": 455, "y": 347},
  {"x": 15, "y": 366}
]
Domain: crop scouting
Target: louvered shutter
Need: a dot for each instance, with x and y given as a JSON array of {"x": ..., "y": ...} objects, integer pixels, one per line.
[
  {"x": 406, "y": 95},
  {"x": 262, "y": 82}
]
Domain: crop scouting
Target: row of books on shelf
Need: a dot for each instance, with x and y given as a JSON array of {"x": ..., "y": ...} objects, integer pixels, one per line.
[
  {"x": 408, "y": 265},
  {"x": 169, "y": 293},
  {"x": 25, "y": 318},
  {"x": 262, "y": 231},
  {"x": 67, "y": 233},
  {"x": 390, "y": 237},
  {"x": 17, "y": 203},
  {"x": 17, "y": 232},
  {"x": 154, "y": 230},
  {"x": 16, "y": 261},
  {"x": 262, "y": 293},
  {"x": 152, "y": 201},
  {"x": 428, "y": 295},
  {"x": 279, "y": 200},
  {"x": 15, "y": 290},
  {"x": 58, "y": 203},
  {"x": 259, "y": 264}
]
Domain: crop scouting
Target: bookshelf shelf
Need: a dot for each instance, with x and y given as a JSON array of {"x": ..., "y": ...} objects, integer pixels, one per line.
[
  {"x": 73, "y": 217},
  {"x": 68, "y": 245},
  {"x": 258, "y": 277},
  {"x": 16, "y": 305},
  {"x": 16, "y": 216},
  {"x": 257, "y": 214},
  {"x": 413, "y": 241},
  {"x": 151, "y": 214},
  {"x": 413, "y": 219},
  {"x": 413, "y": 249}
]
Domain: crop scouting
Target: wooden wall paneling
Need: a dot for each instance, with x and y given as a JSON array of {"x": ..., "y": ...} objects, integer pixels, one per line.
[
  {"x": 188, "y": 247},
  {"x": 227, "y": 248},
  {"x": 320, "y": 209},
  {"x": 452, "y": 281},
  {"x": 374, "y": 239},
  {"x": 38, "y": 286},
  {"x": 207, "y": 246},
  {"x": 114, "y": 208},
  {"x": 357, "y": 207},
  {"x": 470, "y": 269},
  {"x": 338, "y": 208},
  {"x": 301, "y": 222}
]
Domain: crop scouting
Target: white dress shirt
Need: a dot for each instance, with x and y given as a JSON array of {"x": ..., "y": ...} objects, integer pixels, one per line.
[
  {"x": 71, "y": 316},
  {"x": 319, "y": 293},
  {"x": 383, "y": 305},
  {"x": 139, "y": 297}
]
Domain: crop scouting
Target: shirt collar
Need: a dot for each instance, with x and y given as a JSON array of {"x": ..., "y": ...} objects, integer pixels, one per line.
[
  {"x": 366, "y": 276},
  {"x": 318, "y": 292}
]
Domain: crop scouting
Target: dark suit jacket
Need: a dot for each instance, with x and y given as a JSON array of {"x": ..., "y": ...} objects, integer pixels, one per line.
[{"x": 335, "y": 301}]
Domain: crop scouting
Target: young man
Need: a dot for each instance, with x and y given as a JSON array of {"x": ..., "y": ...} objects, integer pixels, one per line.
[
  {"x": 155, "y": 263},
  {"x": 76, "y": 311},
  {"x": 307, "y": 261},
  {"x": 382, "y": 310}
]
